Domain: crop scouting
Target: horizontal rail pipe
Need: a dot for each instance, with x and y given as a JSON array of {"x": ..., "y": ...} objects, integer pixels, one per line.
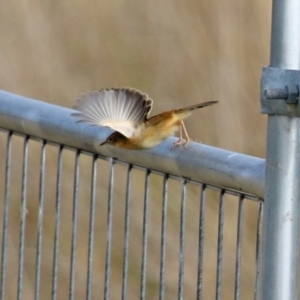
[{"x": 198, "y": 162}]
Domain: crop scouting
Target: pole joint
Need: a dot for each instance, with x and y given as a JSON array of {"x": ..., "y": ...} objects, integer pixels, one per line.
[{"x": 280, "y": 92}]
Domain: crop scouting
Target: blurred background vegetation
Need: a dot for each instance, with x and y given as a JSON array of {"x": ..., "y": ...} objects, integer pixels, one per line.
[{"x": 179, "y": 53}]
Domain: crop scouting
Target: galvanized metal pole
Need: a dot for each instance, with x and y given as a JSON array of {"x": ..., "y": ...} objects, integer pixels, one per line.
[{"x": 282, "y": 191}]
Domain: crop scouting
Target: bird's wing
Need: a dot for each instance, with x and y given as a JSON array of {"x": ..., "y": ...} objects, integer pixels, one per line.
[{"x": 120, "y": 109}]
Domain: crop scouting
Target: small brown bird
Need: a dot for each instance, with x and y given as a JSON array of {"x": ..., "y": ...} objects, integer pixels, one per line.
[{"x": 126, "y": 111}]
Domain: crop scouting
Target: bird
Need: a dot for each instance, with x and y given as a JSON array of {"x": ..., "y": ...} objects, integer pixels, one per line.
[{"x": 126, "y": 111}]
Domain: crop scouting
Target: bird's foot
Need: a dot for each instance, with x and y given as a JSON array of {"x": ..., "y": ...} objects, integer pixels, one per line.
[
  {"x": 185, "y": 144},
  {"x": 178, "y": 143}
]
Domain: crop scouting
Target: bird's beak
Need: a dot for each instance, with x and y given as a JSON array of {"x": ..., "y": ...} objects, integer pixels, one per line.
[{"x": 103, "y": 143}]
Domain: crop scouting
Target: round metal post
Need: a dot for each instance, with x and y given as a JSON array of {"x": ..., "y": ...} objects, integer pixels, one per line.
[{"x": 282, "y": 187}]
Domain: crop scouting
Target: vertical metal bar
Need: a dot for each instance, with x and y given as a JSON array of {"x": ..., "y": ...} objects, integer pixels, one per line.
[
  {"x": 220, "y": 246},
  {"x": 182, "y": 241},
  {"x": 282, "y": 193},
  {"x": 57, "y": 223},
  {"x": 91, "y": 228},
  {"x": 74, "y": 227},
  {"x": 285, "y": 45},
  {"x": 281, "y": 213},
  {"x": 145, "y": 237},
  {"x": 109, "y": 230},
  {"x": 40, "y": 222},
  {"x": 239, "y": 249},
  {"x": 163, "y": 239},
  {"x": 5, "y": 215},
  {"x": 201, "y": 242},
  {"x": 126, "y": 233},
  {"x": 258, "y": 250},
  {"x": 23, "y": 218}
]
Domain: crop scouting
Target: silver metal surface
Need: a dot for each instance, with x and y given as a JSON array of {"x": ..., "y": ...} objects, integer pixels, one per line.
[
  {"x": 271, "y": 79},
  {"x": 134, "y": 253},
  {"x": 163, "y": 239},
  {"x": 145, "y": 236},
  {"x": 239, "y": 249},
  {"x": 109, "y": 231},
  {"x": 182, "y": 240},
  {"x": 74, "y": 226},
  {"x": 23, "y": 218},
  {"x": 220, "y": 246},
  {"x": 198, "y": 162},
  {"x": 201, "y": 243},
  {"x": 91, "y": 229},
  {"x": 126, "y": 233},
  {"x": 258, "y": 252},
  {"x": 285, "y": 46},
  {"x": 40, "y": 221},
  {"x": 6, "y": 214},
  {"x": 282, "y": 193},
  {"x": 57, "y": 224},
  {"x": 281, "y": 213}
]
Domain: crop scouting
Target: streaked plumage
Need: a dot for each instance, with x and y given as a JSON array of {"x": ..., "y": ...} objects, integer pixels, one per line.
[{"x": 126, "y": 111}]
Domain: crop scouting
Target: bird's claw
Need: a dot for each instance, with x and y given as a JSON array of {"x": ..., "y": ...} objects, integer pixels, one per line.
[{"x": 180, "y": 142}]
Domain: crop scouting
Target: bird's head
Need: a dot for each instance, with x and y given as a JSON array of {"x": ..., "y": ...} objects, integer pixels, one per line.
[{"x": 116, "y": 139}]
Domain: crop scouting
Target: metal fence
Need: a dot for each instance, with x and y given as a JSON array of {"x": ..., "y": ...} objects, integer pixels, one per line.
[
  {"x": 143, "y": 233},
  {"x": 144, "y": 224}
]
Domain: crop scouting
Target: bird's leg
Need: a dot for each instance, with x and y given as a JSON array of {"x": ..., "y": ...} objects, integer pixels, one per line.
[
  {"x": 181, "y": 140},
  {"x": 185, "y": 143}
]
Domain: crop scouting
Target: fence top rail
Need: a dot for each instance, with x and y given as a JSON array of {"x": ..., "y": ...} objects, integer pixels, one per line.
[{"x": 198, "y": 162}]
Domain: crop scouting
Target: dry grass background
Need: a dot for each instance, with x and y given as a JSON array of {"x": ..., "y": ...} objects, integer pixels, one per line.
[{"x": 179, "y": 53}]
